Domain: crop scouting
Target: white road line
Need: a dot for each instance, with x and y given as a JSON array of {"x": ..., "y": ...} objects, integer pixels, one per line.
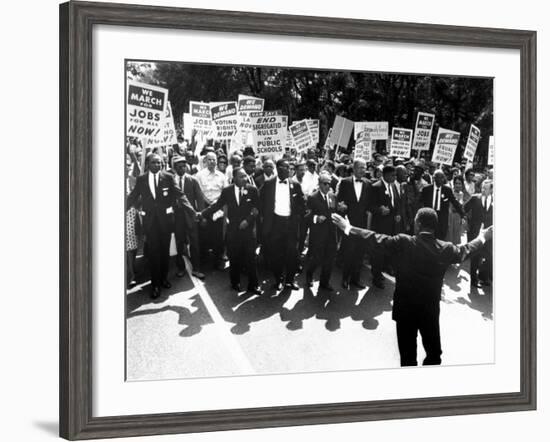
[{"x": 220, "y": 325}]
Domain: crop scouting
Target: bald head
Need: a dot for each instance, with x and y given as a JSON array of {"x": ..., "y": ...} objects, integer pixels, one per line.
[{"x": 439, "y": 178}]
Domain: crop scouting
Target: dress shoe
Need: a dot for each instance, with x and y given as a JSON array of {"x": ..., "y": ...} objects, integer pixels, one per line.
[
  {"x": 155, "y": 292},
  {"x": 255, "y": 291},
  {"x": 379, "y": 283},
  {"x": 345, "y": 285},
  {"x": 198, "y": 274},
  {"x": 236, "y": 287},
  {"x": 358, "y": 284},
  {"x": 292, "y": 286},
  {"x": 166, "y": 284},
  {"x": 180, "y": 274},
  {"x": 326, "y": 287},
  {"x": 278, "y": 285}
]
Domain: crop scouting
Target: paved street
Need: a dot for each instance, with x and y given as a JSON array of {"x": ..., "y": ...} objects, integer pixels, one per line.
[{"x": 204, "y": 329}]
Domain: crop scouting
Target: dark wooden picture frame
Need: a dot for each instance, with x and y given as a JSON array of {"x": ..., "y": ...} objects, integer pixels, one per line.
[{"x": 76, "y": 162}]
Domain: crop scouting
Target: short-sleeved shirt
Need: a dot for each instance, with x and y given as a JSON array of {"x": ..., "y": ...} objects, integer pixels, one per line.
[{"x": 211, "y": 184}]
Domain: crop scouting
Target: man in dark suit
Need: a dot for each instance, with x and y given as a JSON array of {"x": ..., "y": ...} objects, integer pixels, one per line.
[
  {"x": 187, "y": 228},
  {"x": 322, "y": 232},
  {"x": 386, "y": 218},
  {"x": 241, "y": 200},
  {"x": 282, "y": 206},
  {"x": 479, "y": 210},
  {"x": 421, "y": 263},
  {"x": 353, "y": 197},
  {"x": 155, "y": 196},
  {"x": 438, "y": 196}
]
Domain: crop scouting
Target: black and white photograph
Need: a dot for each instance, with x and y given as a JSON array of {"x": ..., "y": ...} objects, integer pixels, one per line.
[{"x": 296, "y": 220}]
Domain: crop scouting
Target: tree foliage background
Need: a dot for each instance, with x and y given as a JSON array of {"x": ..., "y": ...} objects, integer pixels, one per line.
[{"x": 456, "y": 102}]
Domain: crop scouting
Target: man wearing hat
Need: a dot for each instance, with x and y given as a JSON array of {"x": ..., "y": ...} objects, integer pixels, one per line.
[{"x": 187, "y": 229}]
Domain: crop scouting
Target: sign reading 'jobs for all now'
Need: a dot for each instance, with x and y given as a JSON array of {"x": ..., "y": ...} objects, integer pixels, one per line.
[
  {"x": 423, "y": 131},
  {"x": 199, "y": 117},
  {"x": 145, "y": 109}
]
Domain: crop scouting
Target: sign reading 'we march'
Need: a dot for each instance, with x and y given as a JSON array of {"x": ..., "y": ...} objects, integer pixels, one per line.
[{"x": 145, "y": 110}]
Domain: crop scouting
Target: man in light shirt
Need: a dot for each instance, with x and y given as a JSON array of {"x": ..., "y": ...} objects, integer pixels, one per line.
[
  {"x": 212, "y": 181},
  {"x": 311, "y": 178}
]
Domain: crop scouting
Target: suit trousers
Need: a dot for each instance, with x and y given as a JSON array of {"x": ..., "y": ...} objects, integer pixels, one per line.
[
  {"x": 321, "y": 253},
  {"x": 211, "y": 238},
  {"x": 407, "y": 331},
  {"x": 283, "y": 248},
  {"x": 189, "y": 235},
  {"x": 241, "y": 251},
  {"x": 353, "y": 251},
  {"x": 157, "y": 252}
]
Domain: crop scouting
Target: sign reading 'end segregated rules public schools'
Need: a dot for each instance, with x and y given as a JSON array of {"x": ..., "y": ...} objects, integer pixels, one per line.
[
  {"x": 423, "y": 131},
  {"x": 199, "y": 117},
  {"x": 377, "y": 130},
  {"x": 471, "y": 144},
  {"x": 445, "y": 146},
  {"x": 269, "y": 134},
  {"x": 224, "y": 119},
  {"x": 401, "y": 141},
  {"x": 145, "y": 109}
]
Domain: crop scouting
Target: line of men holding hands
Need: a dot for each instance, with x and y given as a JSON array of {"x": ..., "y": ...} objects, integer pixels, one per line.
[{"x": 273, "y": 212}]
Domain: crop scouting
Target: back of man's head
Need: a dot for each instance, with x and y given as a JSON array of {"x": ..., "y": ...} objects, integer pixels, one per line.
[{"x": 426, "y": 219}]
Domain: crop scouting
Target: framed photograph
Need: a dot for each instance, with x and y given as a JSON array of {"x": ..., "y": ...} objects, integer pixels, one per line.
[{"x": 271, "y": 220}]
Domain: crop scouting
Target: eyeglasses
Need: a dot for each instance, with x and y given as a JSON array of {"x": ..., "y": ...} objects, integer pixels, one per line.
[{"x": 324, "y": 184}]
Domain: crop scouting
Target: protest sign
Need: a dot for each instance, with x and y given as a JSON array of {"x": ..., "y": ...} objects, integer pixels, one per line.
[
  {"x": 472, "y": 142},
  {"x": 423, "y": 131},
  {"x": 269, "y": 135},
  {"x": 245, "y": 106},
  {"x": 445, "y": 146},
  {"x": 145, "y": 108},
  {"x": 491, "y": 152},
  {"x": 341, "y": 131},
  {"x": 313, "y": 126},
  {"x": 187, "y": 126},
  {"x": 401, "y": 141},
  {"x": 201, "y": 120},
  {"x": 363, "y": 148},
  {"x": 301, "y": 136},
  {"x": 378, "y": 130},
  {"x": 224, "y": 120},
  {"x": 168, "y": 134}
]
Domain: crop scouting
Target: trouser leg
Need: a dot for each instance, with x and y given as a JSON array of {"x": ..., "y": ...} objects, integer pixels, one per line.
[
  {"x": 407, "y": 331},
  {"x": 431, "y": 340}
]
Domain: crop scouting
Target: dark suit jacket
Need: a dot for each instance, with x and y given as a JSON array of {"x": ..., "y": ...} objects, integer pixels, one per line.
[
  {"x": 421, "y": 262},
  {"x": 168, "y": 196},
  {"x": 384, "y": 223},
  {"x": 477, "y": 215},
  {"x": 320, "y": 233},
  {"x": 357, "y": 210},
  {"x": 193, "y": 192},
  {"x": 447, "y": 196},
  {"x": 267, "y": 204},
  {"x": 237, "y": 213}
]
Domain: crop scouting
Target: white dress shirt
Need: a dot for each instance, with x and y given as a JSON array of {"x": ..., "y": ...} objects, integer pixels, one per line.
[
  {"x": 436, "y": 203},
  {"x": 358, "y": 186},
  {"x": 238, "y": 195},
  {"x": 389, "y": 191},
  {"x": 486, "y": 201},
  {"x": 310, "y": 182},
  {"x": 153, "y": 183},
  {"x": 282, "y": 198}
]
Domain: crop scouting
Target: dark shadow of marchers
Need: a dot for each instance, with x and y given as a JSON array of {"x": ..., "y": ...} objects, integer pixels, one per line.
[
  {"x": 374, "y": 303},
  {"x": 51, "y": 428},
  {"x": 257, "y": 308},
  {"x": 453, "y": 278},
  {"x": 482, "y": 302},
  {"x": 338, "y": 305},
  {"x": 305, "y": 308},
  {"x": 193, "y": 321},
  {"x": 141, "y": 295}
]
